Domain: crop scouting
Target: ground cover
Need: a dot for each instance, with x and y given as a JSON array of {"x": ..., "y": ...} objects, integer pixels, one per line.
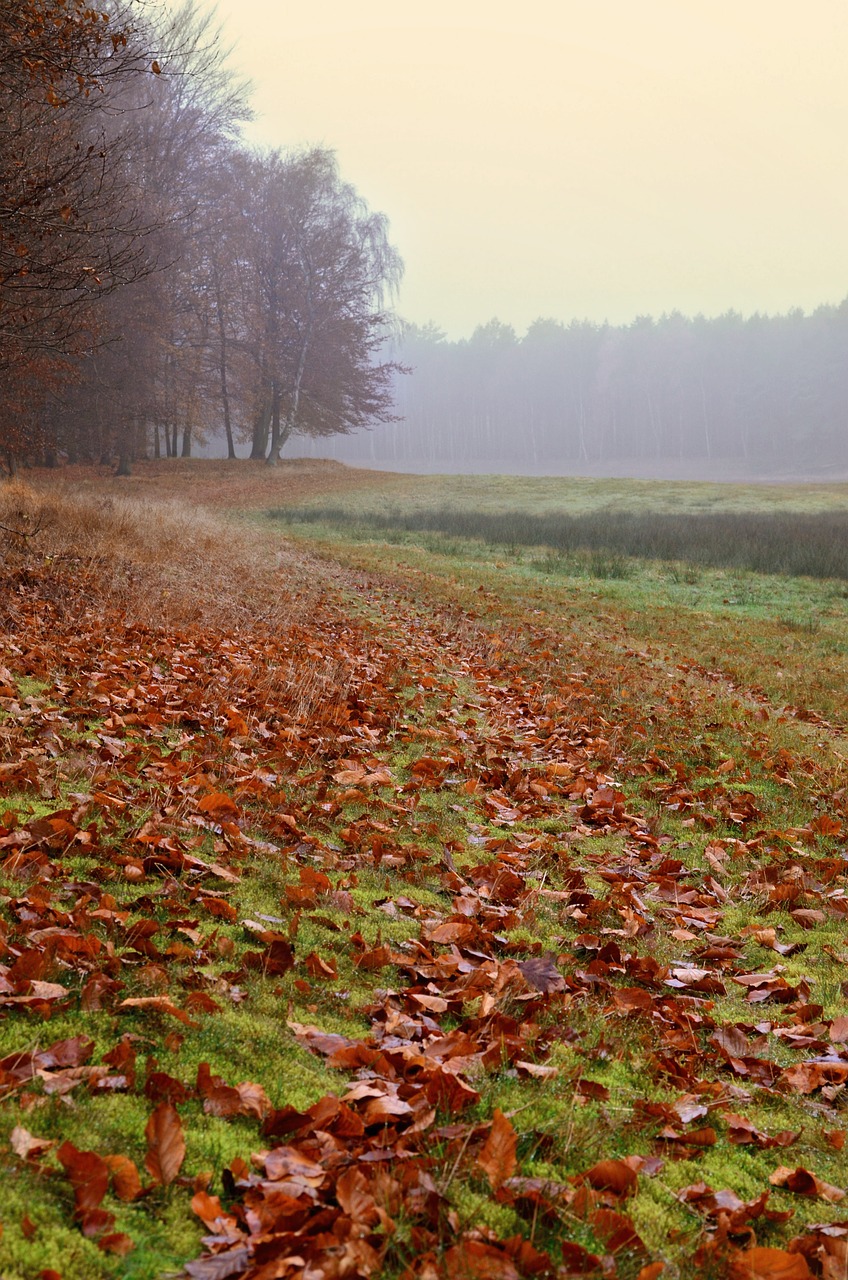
[
  {"x": 791, "y": 543},
  {"x": 383, "y": 493},
  {"x": 374, "y": 910}
]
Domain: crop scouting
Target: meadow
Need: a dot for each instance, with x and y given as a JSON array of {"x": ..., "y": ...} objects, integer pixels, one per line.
[{"x": 418, "y": 901}]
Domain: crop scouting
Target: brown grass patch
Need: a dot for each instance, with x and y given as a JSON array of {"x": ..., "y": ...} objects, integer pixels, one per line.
[
  {"x": 156, "y": 563},
  {"x": 217, "y": 483}
]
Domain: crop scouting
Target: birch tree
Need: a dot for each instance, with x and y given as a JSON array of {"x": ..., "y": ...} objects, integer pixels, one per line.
[{"x": 323, "y": 271}]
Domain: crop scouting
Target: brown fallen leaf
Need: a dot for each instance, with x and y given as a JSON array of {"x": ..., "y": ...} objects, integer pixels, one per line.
[
  {"x": 157, "y": 1004},
  {"x": 28, "y": 1147},
  {"x": 284, "y": 1163},
  {"x": 616, "y": 1230},
  {"x": 826, "y": 1245},
  {"x": 88, "y": 1174},
  {"x": 498, "y": 1159},
  {"x": 537, "y": 1070},
  {"x": 806, "y": 1077},
  {"x": 768, "y": 1264},
  {"x": 610, "y": 1175},
  {"x": 541, "y": 973},
  {"x": 210, "y": 1211},
  {"x": 632, "y": 1000},
  {"x": 126, "y": 1182},
  {"x": 117, "y": 1242},
  {"x": 385, "y": 1109},
  {"x": 808, "y": 918},
  {"x": 317, "y": 967},
  {"x": 839, "y": 1030},
  {"x": 476, "y": 1260},
  {"x": 705, "y": 1137},
  {"x": 742, "y": 1132},
  {"x": 219, "y": 1266},
  {"x": 218, "y": 806},
  {"x": 354, "y": 1196},
  {"x": 165, "y": 1144},
  {"x": 804, "y": 1183}
]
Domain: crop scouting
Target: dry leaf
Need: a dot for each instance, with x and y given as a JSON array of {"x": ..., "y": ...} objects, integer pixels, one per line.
[
  {"x": 165, "y": 1144},
  {"x": 497, "y": 1159}
]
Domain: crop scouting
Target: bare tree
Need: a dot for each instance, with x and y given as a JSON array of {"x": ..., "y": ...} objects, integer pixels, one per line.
[
  {"x": 321, "y": 270},
  {"x": 170, "y": 128}
]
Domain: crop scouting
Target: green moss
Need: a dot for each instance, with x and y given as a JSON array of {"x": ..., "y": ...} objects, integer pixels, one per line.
[{"x": 476, "y": 1208}]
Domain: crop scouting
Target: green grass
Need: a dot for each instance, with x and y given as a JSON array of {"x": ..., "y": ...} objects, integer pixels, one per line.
[{"x": 785, "y": 542}]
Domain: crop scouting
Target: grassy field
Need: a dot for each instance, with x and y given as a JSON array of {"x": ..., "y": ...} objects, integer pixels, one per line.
[
  {"x": 386, "y": 493},
  {"x": 395, "y": 903}
]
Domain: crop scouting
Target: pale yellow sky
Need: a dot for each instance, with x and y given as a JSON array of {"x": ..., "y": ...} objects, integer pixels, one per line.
[{"x": 599, "y": 159}]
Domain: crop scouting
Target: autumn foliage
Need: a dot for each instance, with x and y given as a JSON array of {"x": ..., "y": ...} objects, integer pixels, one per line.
[{"x": 537, "y": 1008}]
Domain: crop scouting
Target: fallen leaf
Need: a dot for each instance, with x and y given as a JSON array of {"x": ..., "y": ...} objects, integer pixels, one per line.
[
  {"x": 804, "y": 1183},
  {"x": 165, "y": 1144},
  {"x": 28, "y": 1147},
  {"x": 88, "y": 1174},
  {"x": 762, "y": 1263},
  {"x": 611, "y": 1175},
  {"x": 498, "y": 1158},
  {"x": 126, "y": 1182}
]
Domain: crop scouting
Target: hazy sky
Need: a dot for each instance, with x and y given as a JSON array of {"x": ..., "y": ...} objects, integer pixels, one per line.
[{"x": 588, "y": 158}]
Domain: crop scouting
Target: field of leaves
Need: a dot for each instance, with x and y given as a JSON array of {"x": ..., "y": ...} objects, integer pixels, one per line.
[{"x": 366, "y": 911}]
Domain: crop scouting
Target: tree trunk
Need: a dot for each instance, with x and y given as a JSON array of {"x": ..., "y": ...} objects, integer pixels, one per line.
[
  {"x": 186, "y": 449},
  {"x": 706, "y": 421},
  {"x": 276, "y": 444},
  {"x": 259, "y": 441},
  {"x": 222, "y": 371},
  {"x": 584, "y": 455},
  {"x": 127, "y": 449},
  {"x": 157, "y": 443},
  {"x": 281, "y": 436}
]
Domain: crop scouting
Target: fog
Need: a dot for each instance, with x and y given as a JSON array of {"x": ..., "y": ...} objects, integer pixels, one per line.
[{"x": 731, "y": 398}]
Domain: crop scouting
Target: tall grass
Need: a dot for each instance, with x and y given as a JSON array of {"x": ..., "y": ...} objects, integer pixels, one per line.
[
  {"x": 764, "y": 542},
  {"x": 153, "y": 563}
]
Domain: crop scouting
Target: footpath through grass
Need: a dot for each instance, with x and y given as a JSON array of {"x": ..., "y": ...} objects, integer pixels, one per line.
[{"x": 394, "y": 912}]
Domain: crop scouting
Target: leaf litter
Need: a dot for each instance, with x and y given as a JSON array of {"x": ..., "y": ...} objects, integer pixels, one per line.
[{"x": 151, "y": 770}]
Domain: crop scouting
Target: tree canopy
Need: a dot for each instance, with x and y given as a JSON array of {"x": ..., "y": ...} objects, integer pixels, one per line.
[{"x": 158, "y": 278}]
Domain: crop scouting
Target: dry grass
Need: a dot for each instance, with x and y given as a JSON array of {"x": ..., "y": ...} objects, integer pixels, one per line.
[
  {"x": 156, "y": 563},
  {"x": 217, "y": 483}
]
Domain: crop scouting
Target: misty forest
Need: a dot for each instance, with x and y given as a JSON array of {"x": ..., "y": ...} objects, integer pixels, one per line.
[
  {"x": 423, "y": 850},
  {"x": 766, "y": 393}
]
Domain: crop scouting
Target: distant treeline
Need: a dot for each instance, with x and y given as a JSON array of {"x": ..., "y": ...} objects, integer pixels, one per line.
[{"x": 768, "y": 391}]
